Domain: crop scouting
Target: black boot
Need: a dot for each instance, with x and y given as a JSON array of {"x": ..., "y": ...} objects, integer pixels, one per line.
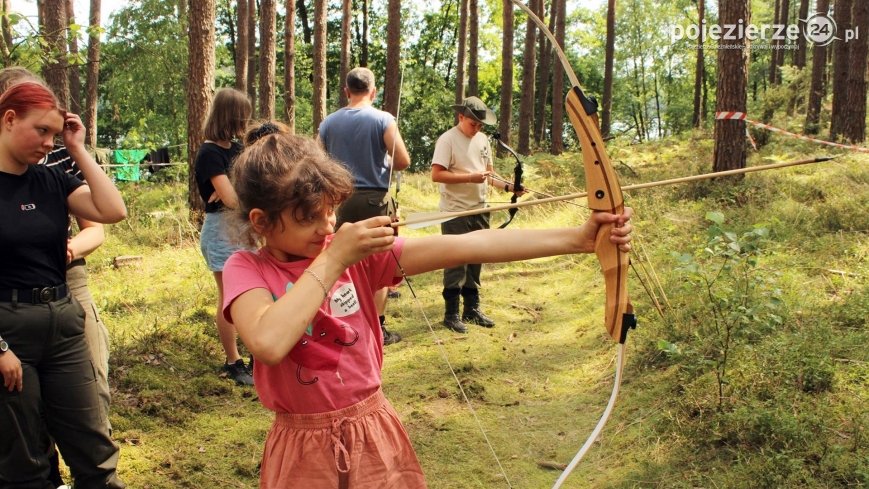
[
  {"x": 451, "y": 311},
  {"x": 389, "y": 337},
  {"x": 472, "y": 313}
]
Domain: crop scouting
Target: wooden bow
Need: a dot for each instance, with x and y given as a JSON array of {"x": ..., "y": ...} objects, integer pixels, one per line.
[{"x": 604, "y": 193}]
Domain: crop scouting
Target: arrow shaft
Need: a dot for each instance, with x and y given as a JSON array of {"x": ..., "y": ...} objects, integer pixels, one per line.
[{"x": 580, "y": 195}]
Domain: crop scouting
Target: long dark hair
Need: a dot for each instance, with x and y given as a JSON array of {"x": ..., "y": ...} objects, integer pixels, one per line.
[{"x": 229, "y": 115}]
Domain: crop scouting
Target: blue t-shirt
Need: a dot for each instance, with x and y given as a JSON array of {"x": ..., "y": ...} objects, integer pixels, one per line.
[{"x": 354, "y": 136}]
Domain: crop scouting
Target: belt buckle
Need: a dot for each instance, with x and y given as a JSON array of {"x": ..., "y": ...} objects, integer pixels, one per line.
[{"x": 46, "y": 294}]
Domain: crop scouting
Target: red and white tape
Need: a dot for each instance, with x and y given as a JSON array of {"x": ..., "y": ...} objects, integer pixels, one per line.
[
  {"x": 736, "y": 116},
  {"x": 741, "y": 116}
]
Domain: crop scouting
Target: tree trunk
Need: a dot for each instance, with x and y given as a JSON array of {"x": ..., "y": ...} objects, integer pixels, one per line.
[
  {"x": 462, "y": 36},
  {"x": 268, "y": 58},
  {"x": 93, "y": 75},
  {"x": 251, "y": 53},
  {"x": 438, "y": 51},
  {"x": 200, "y": 85},
  {"x": 842, "y": 17},
  {"x": 363, "y": 58},
  {"x": 658, "y": 108},
  {"x": 816, "y": 92},
  {"x": 732, "y": 93},
  {"x": 345, "y": 49},
  {"x": 5, "y": 31},
  {"x": 231, "y": 27},
  {"x": 705, "y": 102},
  {"x": 318, "y": 101},
  {"x": 473, "y": 48},
  {"x": 505, "y": 111},
  {"x": 802, "y": 49},
  {"x": 303, "y": 18},
  {"x": 779, "y": 54},
  {"x": 53, "y": 23},
  {"x": 544, "y": 75},
  {"x": 773, "y": 57},
  {"x": 290, "y": 66},
  {"x": 392, "y": 95},
  {"x": 639, "y": 95},
  {"x": 241, "y": 53},
  {"x": 854, "y": 128},
  {"x": 699, "y": 68},
  {"x": 526, "y": 101},
  {"x": 606, "y": 110},
  {"x": 74, "y": 71},
  {"x": 642, "y": 90},
  {"x": 556, "y": 146}
]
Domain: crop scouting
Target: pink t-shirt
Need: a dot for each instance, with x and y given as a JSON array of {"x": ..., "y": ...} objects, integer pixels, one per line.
[{"x": 338, "y": 362}]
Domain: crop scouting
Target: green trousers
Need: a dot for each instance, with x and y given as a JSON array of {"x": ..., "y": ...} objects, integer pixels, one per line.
[{"x": 60, "y": 400}]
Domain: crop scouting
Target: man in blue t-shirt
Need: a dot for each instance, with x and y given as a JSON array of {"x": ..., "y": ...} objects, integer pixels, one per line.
[{"x": 366, "y": 140}]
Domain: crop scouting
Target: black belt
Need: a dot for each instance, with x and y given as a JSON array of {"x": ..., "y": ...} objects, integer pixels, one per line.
[{"x": 36, "y": 295}]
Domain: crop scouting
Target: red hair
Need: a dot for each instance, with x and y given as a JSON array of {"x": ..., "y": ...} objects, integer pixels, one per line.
[{"x": 26, "y": 96}]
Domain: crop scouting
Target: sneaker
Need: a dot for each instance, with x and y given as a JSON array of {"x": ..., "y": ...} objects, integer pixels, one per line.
[
  {"x": 393, "y": 294},
  {"x": 390, "y": 337},
  {"x": 238, "y": 372}
]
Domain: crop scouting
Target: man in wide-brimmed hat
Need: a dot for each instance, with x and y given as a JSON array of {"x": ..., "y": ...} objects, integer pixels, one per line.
[{"x": 462, "y": 164}]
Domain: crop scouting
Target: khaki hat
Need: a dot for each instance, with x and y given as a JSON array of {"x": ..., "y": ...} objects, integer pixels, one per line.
[{"x": 475, "y": 108}]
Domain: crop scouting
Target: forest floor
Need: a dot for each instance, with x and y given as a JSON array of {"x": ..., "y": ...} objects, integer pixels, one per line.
[{"x": 756, "y": 375}]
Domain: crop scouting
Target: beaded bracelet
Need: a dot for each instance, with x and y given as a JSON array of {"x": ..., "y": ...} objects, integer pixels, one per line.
[{"x": 320, "y": 281}]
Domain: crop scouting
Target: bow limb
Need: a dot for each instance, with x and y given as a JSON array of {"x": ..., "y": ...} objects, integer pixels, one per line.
[
  {"x": 604, "y": 195},
  {"x": 518, "y": 171},
  {"x": 604, "y": 191}
]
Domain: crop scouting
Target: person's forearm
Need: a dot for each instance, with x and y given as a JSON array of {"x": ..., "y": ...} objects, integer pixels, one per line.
[
  {"x": 490, "y": 246},
  {"x": 86, "y": 241},
  {"x": 272, "y": 330},
  {"x": 451, "y": 177}
]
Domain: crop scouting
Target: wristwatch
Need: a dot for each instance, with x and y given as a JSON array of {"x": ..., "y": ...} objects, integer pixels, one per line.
[{"x": 4, "y": 347}]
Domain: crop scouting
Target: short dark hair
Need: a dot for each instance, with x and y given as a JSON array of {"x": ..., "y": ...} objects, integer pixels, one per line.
[
  {"x": 260, "y": 129},
  {"x": 360, "y": 80}
]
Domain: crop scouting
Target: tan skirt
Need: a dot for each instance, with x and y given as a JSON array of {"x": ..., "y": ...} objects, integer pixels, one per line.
[{"x": 359, "y": 447}]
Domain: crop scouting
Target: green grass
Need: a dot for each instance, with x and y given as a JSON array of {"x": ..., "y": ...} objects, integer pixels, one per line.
[{"x": 796, "y": 412}]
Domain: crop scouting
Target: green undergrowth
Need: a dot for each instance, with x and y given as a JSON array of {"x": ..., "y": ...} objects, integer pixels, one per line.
[{"x": 777, "y": 259}]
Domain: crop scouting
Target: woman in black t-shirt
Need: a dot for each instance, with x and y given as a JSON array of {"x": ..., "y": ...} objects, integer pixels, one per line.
[{"x": 50, "y": 389}]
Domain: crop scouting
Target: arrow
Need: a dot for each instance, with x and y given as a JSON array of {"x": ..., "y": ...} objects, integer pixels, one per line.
[{"x": 424, "y": 219}]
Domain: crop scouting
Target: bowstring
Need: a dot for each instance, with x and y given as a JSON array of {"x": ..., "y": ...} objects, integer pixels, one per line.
[
  {"x": 601, "y": 422},
  {"x": 440, "y": 343},
  {"x": 395, "y": 137},
  {"x": 437, "y": 340},
  {"x": 537, "y": 192}
]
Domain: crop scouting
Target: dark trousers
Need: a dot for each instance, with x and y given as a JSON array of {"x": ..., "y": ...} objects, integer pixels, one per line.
[
  {"x": 59, "y": 400},
  {"x": 467, "y": 276},
  {"x": 365, "y": 204}
]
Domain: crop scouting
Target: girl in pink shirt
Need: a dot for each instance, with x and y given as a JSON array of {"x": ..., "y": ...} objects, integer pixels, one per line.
[{"x": 304, "y": 306}]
